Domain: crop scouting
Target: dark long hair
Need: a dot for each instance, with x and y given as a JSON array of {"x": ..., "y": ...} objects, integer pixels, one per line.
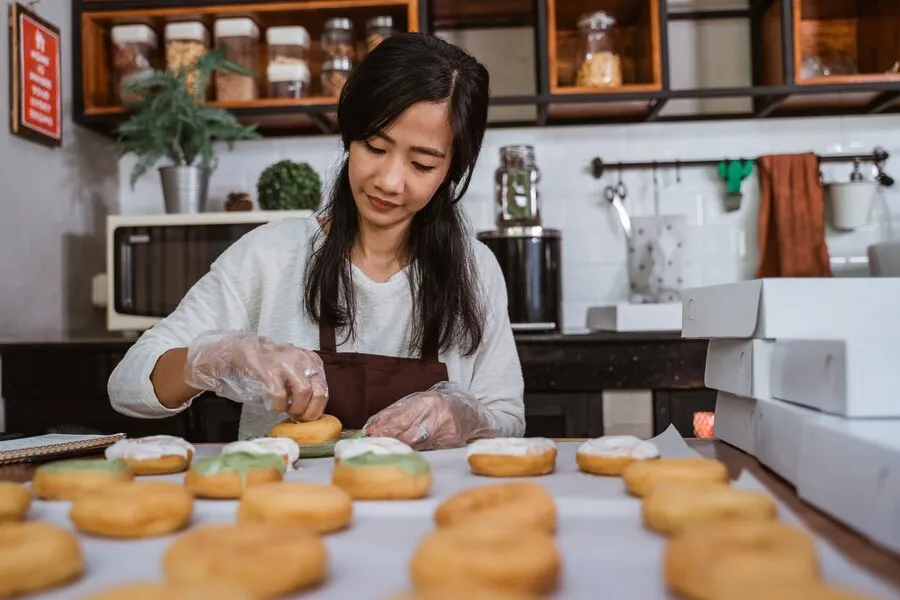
[{"x": 403, "y": 70}]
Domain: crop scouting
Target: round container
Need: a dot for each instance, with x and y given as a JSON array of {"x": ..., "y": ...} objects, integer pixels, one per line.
[
  {"x": 288, "y": 45},
  {"x": 378, "y": 29},
  {"x": 133, "y": 48},
  {"x": 288, "y": 80},
  {"x": 337, "y": 37},
  {"x": 186, "y": 42},
  {"x": 597, "y": 61},
  {"x": 334, "y": 75},
  {"x": 239, "y": 38}
]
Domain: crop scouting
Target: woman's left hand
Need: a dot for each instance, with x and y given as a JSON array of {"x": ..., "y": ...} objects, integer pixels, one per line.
[{"x": 442, "y": 417}]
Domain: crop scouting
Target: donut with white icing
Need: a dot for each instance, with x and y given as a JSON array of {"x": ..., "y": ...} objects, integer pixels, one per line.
[
  {"x": 380, "y": 468},
  {"x": 512, "y": 457},
  {"x": 611, "y": 454},
  {"x": 153, "y": 455},
  {"x": 286, "y": 448}
]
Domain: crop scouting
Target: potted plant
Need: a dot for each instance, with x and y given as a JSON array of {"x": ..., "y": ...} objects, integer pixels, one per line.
[
  {"x": 289, "y": 185},
  {"x": 170, "y": 121}
]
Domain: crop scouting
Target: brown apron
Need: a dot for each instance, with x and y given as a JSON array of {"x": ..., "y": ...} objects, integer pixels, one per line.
[{"x": 360, "y": 385}]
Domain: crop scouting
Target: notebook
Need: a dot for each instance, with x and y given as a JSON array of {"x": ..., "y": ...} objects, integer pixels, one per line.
[{"x": 52, "y": 446}]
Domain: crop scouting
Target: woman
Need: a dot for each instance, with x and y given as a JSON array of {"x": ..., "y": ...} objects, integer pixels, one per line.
[{"x": 384, "y": 311}]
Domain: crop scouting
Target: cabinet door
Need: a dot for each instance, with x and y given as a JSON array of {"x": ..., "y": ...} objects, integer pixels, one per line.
[{"x": 557, "y": 415}]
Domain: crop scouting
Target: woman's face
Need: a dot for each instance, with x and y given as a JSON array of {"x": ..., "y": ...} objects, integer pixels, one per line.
[{"x": 394, "y": 174}]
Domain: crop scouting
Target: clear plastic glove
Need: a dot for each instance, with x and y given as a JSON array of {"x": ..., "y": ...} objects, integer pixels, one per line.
[
  {"x": 248, "y": 368},
  {"x": 442, "y": 417}
]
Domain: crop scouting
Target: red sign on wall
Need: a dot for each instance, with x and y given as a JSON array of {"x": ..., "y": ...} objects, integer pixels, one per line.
[{"x": 37, "y": 110}]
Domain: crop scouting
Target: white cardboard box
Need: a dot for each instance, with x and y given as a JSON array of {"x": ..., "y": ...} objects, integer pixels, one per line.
[
  {"x": 779, "y": 433},
  {"x": 793, "y": 308},
  {"x": 854, "y": 377},
  {"x": 740, "y": 367},
  {"x": 850, "y": 469},
  {"x": 635, "y": 317},
  {"x": 737, "y": 421}
]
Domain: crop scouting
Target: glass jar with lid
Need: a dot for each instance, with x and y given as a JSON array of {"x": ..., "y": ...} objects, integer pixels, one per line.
[
  {"x": 516, "y": 181},
  {"x": 239, "y": 38},
  {"x": 288, "y": 80},
  {"x": 597, "y": 61},
  {"x": 133, "y": 49},
  {"x": 378, "y": 29},
  {"x": 186, "y": 43},
  {"x": 288, "y": 45},
  {"x": 334, "y": 75},
  {"x": 337, "y": 37}
]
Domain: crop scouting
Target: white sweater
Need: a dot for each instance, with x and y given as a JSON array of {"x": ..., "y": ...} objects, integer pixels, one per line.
[{"x": 257, "y": 284}]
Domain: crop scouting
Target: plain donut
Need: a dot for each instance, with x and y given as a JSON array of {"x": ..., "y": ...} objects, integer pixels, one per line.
[
  {"x": 524, "y": 504},
  {"x": 670, "y": 508},
  {"x": 326, "y": 428},
  {"x": 640, "y": 476}
]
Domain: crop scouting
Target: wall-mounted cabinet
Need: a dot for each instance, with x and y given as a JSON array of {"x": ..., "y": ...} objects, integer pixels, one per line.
[{"x": 595, "y": 61}]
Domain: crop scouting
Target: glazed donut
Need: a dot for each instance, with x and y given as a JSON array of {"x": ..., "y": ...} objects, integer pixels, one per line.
[
  {"x": 65, "y": 479},
  {"x": 321, "y": 508},
  {"x": 490, "y": 556},
  {"x": 640, "y": 476},
  {"x": 379, "y": 468},
  {"x": 326, "y": 428},
  {"x": 15, "y": 500},
  {"x": 286, "y": 448},
  {"x": 133, "y": 509},
  {"x": 206, "y": 590},
  {"x": 796, "y": 591},
  {"x": 519, "y": 505},
  {"x": 670, "y": 508},
  {"x": 153, "y": 455},
  {"x": 37, "y": 556},
  {"x": 269, "y": 560},
  {"x": 512, "y": 457},
  {"x": 611, "y": 454},
  {"x": 228, "y": 475},
  {"x": 705, "y": 560}
]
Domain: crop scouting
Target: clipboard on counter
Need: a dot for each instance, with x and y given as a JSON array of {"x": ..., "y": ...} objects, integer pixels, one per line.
[{"x": 50, "y": 446}]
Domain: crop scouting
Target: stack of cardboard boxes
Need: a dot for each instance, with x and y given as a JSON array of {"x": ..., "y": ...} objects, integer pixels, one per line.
[{"x": 808, "y": 373}]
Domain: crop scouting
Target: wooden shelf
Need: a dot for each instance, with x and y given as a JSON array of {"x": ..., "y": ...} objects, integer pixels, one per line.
[{"x": 461, "y": 14}]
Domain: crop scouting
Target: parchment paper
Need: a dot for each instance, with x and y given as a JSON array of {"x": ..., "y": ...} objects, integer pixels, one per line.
[{"x": 606, "y": 551}]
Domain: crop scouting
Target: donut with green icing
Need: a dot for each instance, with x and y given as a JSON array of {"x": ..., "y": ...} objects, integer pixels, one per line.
[
  {"x": 413, "y": 464},
  {"x": 85, "y": 464},
  {"x": 237, "y": 462},
  {"x": 226, "y": 476}
]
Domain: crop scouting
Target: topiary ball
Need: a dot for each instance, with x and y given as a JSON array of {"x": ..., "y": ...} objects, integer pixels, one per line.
[{"x": 288, "y": 185}]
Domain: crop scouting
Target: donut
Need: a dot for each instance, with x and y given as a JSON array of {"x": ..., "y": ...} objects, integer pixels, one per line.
[
  {"x": 228, "y": 475},
  {"x": 326, "y": 428},
  {"x": 37, "y": 556},
  {"x": 66, "y": 479},
  {"x": 519, "y": 505},
  {"x": 133, "y": 509},
  {"x": 640, "y": 476},
  {"x": 512, "y": 457},
  {"x": 379, "y": 468},
  {"x": 15, "y": 500},
  {"x": 670, "y": 508},
  {"x": 810, "y": 590},
  {"x": 491, "y": 556},
  {"x": 286, "y": 448},
  {"x": 611, "y": 454},
  {"x": 268, "y": 560},
  {"x": 153, "y": 455},
  {"x": 700, "y": 560},
  {"x": 458, "y": 590},
  {"x": 206, "y": 590},
  {"x": 319, "y": 507}
]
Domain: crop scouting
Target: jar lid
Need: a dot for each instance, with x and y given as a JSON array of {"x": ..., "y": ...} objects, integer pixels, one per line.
[
  {"x": 596, "y": 20},
  {"x": 339, "y": 23},
  {"x": 385, "y": 21},
  {"x": 287, "y": 36},
  {"x": 133, "y": 34},
  {"x": 337, "y": 63},
  {"x": 187, "y": 30},
  {"x": 288, "y": 72},
  {"x": 236, "y": 28}
]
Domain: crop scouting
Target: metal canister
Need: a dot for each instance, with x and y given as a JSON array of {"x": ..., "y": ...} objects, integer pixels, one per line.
[{"x": 516, "y": 183}]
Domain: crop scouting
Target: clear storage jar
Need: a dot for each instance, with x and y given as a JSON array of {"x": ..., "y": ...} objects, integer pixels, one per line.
[
  {"x": 239, "y": 38},
  {"x": 133, "y": 49},
  {"x": 378, "y": 29},
  {"x": 334, "y": 75},
  {"x": 288, "y": 80},
  {"x": 186, "y": 43},
  {"x": 337, "y": 38},
  {"x": 597, "y": 61},
  {"x": 288, "y": 45}
]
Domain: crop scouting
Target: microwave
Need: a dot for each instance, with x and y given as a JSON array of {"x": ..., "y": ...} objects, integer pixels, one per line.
[{"x": 153, "y": 260}]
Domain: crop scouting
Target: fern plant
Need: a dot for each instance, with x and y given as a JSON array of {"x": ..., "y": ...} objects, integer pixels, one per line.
[{"x": 170, "y": 121}]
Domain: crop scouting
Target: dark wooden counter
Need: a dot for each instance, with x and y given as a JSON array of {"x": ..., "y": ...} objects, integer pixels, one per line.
[{"x": 853, "y": 547}]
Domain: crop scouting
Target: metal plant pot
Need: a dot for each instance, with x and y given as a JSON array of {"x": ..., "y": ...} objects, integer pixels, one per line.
[{"x": 184, "y": 188}]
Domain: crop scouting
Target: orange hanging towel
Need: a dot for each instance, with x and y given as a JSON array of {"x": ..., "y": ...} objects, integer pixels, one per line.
[{"x": 791, "y": 218}]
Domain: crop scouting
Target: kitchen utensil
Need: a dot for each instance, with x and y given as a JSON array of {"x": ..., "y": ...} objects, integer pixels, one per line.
[
  {"x": 615, "y": 195},
  {"x": 734, "y": 172},
  {"x": 656, "y": 259}
]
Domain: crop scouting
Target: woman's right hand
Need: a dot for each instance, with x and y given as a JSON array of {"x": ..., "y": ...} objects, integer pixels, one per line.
[{"x": 246, "y": 367}]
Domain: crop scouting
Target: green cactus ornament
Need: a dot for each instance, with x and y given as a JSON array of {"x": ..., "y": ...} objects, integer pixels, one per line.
[{"x": 289, "y": 185}]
